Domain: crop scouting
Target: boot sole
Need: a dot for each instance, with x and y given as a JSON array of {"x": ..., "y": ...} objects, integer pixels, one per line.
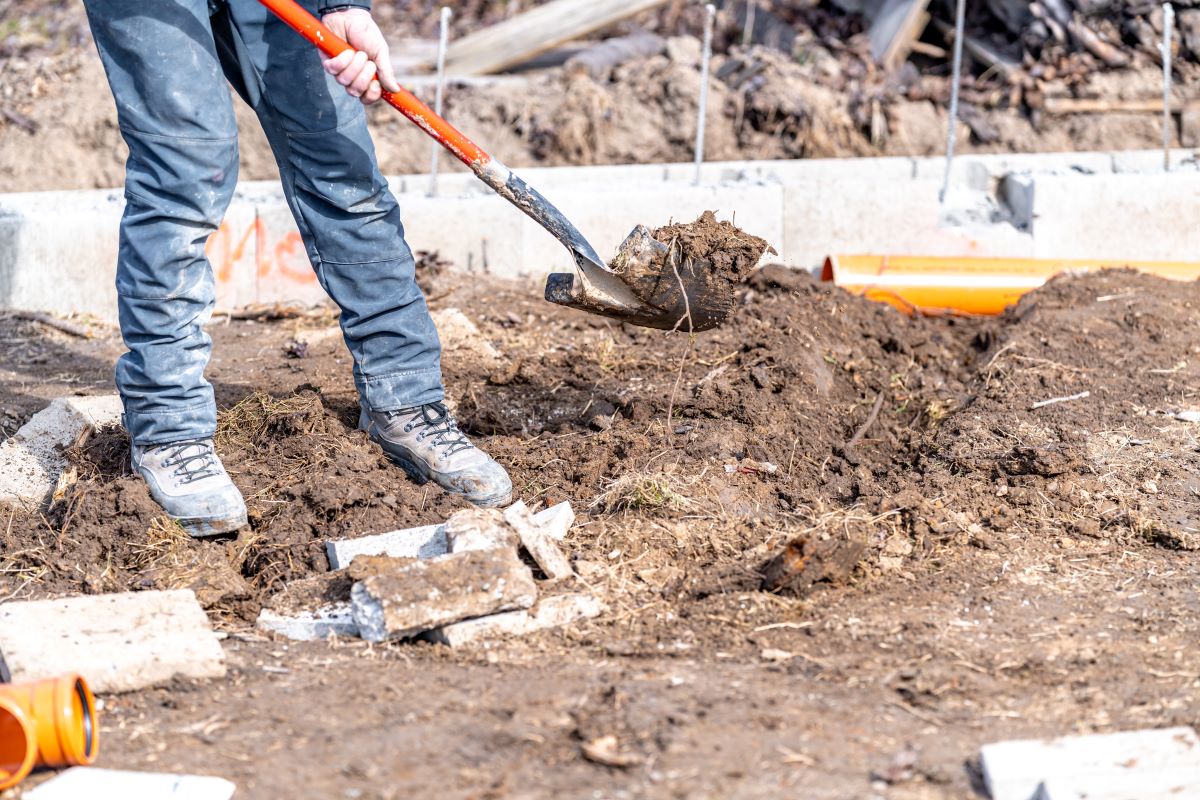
[
  {"x": 207, "y": 528},
  {"x": 421, "y": 476}
]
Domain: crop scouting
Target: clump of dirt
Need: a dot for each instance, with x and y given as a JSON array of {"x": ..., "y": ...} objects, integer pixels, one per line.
[{"x": 689, "y": 271}]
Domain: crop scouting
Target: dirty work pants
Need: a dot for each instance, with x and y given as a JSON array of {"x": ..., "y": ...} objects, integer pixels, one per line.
[{"x": 167, "y": 63}]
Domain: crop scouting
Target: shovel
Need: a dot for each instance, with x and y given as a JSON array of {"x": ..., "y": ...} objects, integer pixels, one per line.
[{"x": 653, "y": 289}]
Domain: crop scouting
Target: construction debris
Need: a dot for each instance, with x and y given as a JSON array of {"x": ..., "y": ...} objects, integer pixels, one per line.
[
  {"x": 118, "y": 642},
  {"x": 480, "y": 529},
  {"x": 538, "y": 543},
  {"x": 32, "y": 460},
  {"x": 111, "y": 784},
  {"x": 537, "y": 31},
  {"x": 458, "y": 333},
  {"x": 551, "y": 612},
  {"x": 396, "y": 598},
  {"x": 312, "y": 609},
  {"x": 1162, "y": 763},
  {"x": 429, "y": 541}
]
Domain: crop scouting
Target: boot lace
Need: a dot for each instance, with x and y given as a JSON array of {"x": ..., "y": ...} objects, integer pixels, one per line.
[
  {"x": 193, "y": 460},
  {"x": 434, "y": 420}
]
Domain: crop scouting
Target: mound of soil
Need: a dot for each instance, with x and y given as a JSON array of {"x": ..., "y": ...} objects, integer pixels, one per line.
[{"x": 872, "y": 442}]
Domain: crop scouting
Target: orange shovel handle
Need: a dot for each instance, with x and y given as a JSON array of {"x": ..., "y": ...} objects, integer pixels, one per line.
[{"x": 404, "y": 101}]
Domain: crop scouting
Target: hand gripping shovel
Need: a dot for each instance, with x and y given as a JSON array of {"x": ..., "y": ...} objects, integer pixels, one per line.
[{"x": 652, "y": 289}]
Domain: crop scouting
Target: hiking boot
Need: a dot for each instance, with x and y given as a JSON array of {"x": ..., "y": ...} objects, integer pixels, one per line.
[
  {"x": 190, "y": 483},
  {"x": 426, "y": 443}
]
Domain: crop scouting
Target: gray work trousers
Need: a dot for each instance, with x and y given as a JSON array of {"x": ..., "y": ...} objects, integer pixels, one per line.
[{"x": 168, "y": 63}]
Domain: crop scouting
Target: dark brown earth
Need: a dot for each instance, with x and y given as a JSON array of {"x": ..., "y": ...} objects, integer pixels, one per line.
[{"x": 1023, "y": 571}]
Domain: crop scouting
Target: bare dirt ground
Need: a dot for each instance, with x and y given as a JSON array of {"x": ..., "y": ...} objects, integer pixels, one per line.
[
  {"x": 1021, "y": 571},
  {"x": 829, "y": 100}
]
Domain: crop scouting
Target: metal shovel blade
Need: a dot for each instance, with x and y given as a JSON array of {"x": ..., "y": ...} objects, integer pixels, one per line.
[{"x": 648, "y": 285}]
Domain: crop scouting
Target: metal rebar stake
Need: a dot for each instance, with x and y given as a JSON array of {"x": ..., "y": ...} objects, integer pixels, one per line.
[
  {"x": 1168, "y": 37},
  {"x": 436, "y": 149},
  {"x": 710, "y": 15},
  {"x": 960, "y": 16},
  {"x": 748, "y": 30}
]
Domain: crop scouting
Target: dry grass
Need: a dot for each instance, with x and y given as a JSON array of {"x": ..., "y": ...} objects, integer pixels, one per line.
[
  {"x": 256, "y": 418},
  {"x": 647, "y": 491}
]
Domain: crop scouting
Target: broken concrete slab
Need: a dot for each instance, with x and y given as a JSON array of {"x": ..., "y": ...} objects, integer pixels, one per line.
[
  {"x": 33, "y": 458},
  {"x": 119, "y": 642},
  {"x": 311, "y": 609},
  {"x": 480, "y": 529},
  {"x": 1017, "y": 770},
  {"x": 1162, "y": 784},
  {"x": 429, "y": 541},
  {"x": 400, "y": 598},
  {"x": 111, "y": 784},
  {"x": 538, "y": 543},
  {"x": 551, "y": 612},
  {"x": 310, "y": 626}
]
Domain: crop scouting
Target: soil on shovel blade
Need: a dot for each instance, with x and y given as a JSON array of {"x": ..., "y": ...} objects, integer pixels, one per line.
[
  {"x": 1020, "y": 568},
  {"x": 691, "y": 271}
]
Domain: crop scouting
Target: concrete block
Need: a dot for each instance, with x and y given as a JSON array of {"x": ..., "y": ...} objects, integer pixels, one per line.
[
  {"x": 538, "y": 543},
  {"x": 1111, "y": 217},
  {"x": 32, "y": 459},
  {"x": 429, "y": 541},
  {"x": 45, "y": 270},
  {"x": 311, "y": 609},
  {"x": 400, "y": 598},
  {"x": 1015, "y": 770},
  {"x": 552, "y": 612},
  {"x": 1162, "y": 784},
  {"x": 480, "y": 529},
  {"x": 110, "y": 784},
  {"x": 119, "y": 642},
  {"x": 317, "y": 625}
]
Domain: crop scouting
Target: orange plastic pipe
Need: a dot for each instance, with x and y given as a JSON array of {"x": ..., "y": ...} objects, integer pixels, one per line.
[
  {"x": 404, "y": 101},
  {"x": 50, "y": 723},
  {"x": 937, "y": 285}
]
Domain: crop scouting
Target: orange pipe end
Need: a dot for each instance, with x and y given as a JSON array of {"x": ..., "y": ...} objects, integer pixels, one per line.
[
  {"x": 18, "y": 747},
  {"x": 52, "y": 722},
  {"x": 938, "y": 285}
]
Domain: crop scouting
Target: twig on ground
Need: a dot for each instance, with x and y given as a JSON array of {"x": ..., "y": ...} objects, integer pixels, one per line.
[
  {"x": 866, "y": 426},
  {"x": 70, "y": 328},
  {"x": 691, "y": 344},
  {"x": 1054, "y": 400}
]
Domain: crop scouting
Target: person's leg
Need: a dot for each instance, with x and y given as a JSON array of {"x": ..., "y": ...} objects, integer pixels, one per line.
[
  {"x": 176, "y": 115},
  {"x": 351, "y": 227},
  {"x": 349, "y": 220}
]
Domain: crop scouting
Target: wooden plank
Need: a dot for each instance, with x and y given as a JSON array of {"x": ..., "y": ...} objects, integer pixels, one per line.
[
  {"x": 1097, "y": 105},
  {"x": 535, "y": 31},
  {"x": 893, "y": 31}
]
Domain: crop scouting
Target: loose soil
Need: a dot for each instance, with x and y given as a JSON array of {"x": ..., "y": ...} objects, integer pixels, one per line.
[{"x": 1021, "y": 569}]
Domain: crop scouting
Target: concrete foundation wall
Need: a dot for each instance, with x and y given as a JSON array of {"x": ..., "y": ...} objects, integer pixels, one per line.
[{"x": 58, "y": 249}]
